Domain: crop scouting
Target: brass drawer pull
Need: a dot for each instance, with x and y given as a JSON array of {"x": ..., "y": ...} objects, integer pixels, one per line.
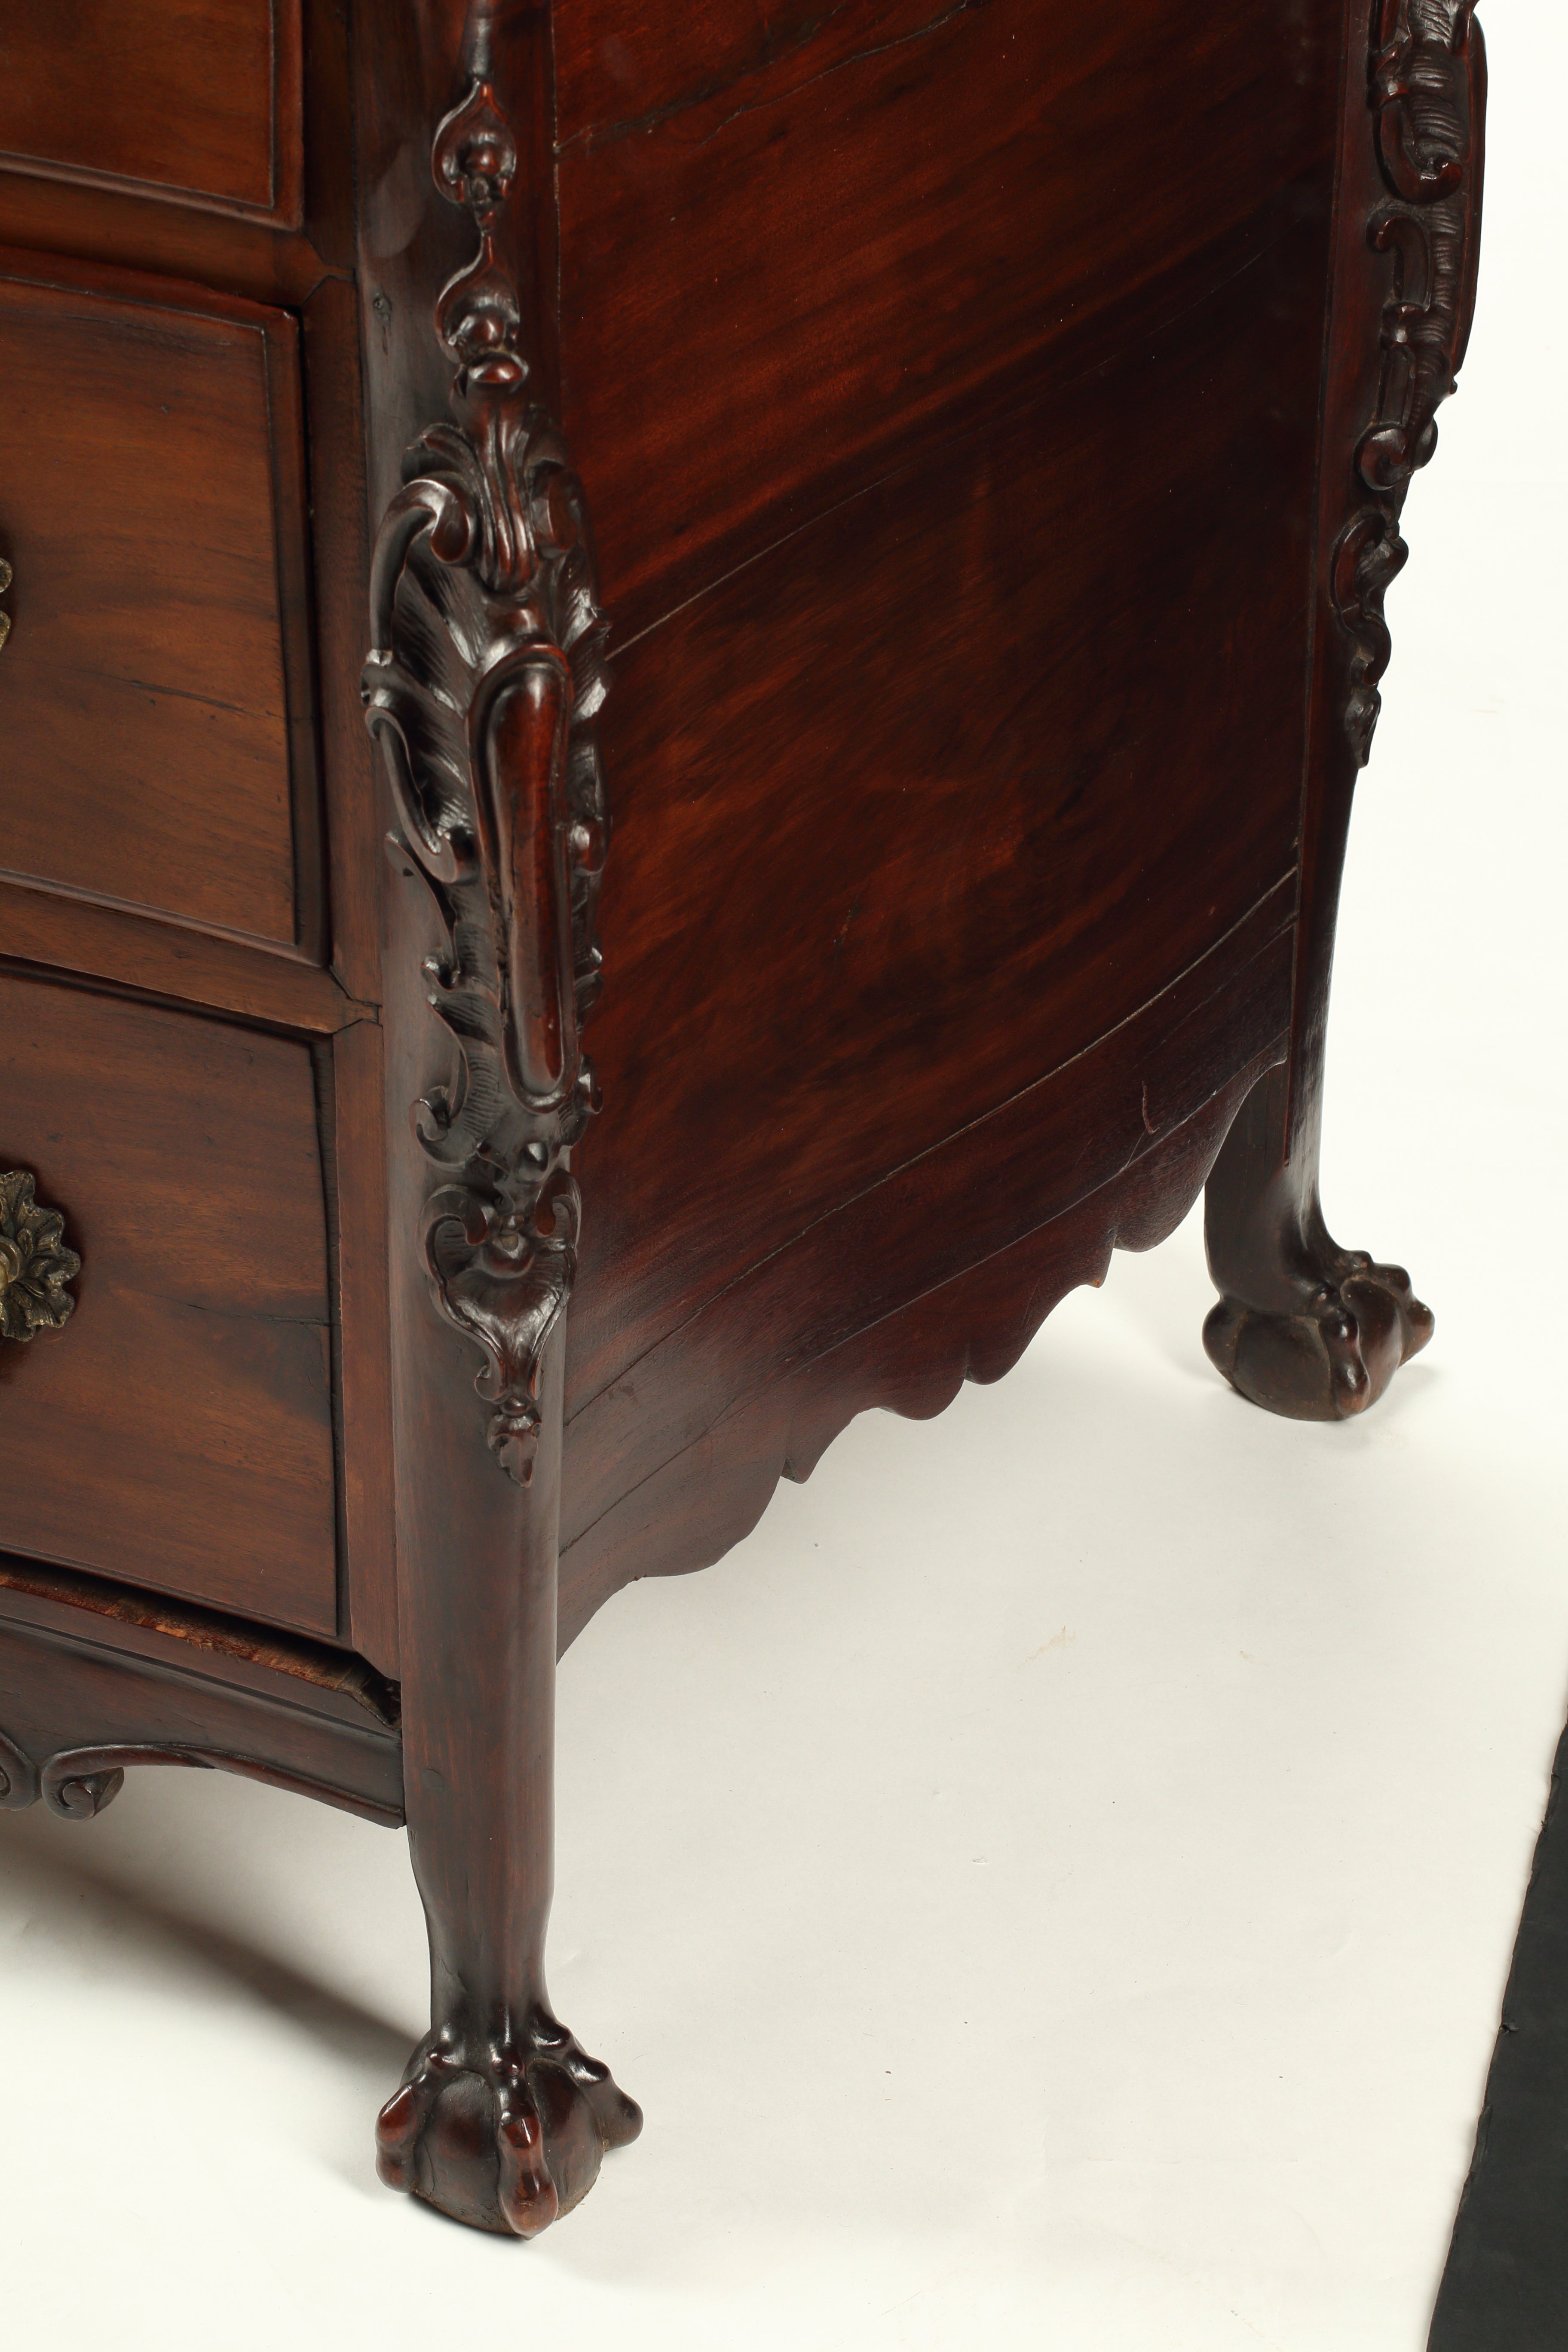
[{"x": 35, "y": 1264}]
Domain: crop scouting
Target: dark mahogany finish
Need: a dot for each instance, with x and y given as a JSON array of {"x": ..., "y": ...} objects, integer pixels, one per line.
[
  {"x": 196, "y": 1374},
  {"x": 995, "y": 424},
  {"x": 195, "y": 101},
  {"x": 166, "y": 644}
]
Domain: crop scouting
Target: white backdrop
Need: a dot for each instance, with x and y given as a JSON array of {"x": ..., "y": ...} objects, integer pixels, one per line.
[{"x": 1053, "y": 1885}]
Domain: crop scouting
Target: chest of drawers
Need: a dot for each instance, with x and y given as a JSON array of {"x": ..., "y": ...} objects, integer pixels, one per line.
[{"x": 995, "y": 424}]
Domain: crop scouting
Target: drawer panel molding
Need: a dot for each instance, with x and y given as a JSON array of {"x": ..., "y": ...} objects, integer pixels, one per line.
[
  {"x": 192, "y": 1392},
  {"x": 156, "y": 695},
  {"x": 192, "y": 102}
]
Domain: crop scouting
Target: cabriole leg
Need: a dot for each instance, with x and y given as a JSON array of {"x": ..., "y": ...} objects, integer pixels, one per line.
[
  {"x": 1302, "y": 1326},
  {"x": 500, "y": 2119}
]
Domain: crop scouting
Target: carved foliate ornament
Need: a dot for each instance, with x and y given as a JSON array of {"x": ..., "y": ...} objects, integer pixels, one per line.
[
  {"x": 1426, "y": 88},
  {"x": 35, "y": 1264},
  {"x": 486, "y": 676}
]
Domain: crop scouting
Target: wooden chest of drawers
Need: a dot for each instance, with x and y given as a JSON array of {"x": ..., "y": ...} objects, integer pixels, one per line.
[{"x": 995, "y": 424}]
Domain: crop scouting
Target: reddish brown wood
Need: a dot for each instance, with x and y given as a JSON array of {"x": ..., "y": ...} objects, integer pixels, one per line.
[
  {"x": 365, "y": 1478},
  {"x": 996, "y": 421},
  {"x": 355, "y": 819},
  {"x": 195, "y": 101},
  {"x": 974, "y": 1325},
  {"x": 286, "y": 1667},
  {"x": 174, "y": 651},
  {"x": 1041, "y": 894},
  {"x": 41, "y": 926},
  {"x": 1050, "y": 162},
  {"x": 178, "y": 1431},
  {"x": 1305, "y": 1326},
  {"x": 109, "y": 229},
  {"x": 482, "y": 691},
  {"x": 74, "y": 1714}
]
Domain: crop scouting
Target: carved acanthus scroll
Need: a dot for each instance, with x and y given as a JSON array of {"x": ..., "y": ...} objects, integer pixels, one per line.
[
  {"x": 486, "y": 677},
  {"x": 1428, "y": 93}
]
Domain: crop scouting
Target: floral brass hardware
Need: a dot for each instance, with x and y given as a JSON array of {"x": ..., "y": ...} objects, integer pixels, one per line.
[
  {"x": 4, "y": 583},
  {"x": 35, "y": 1264}
]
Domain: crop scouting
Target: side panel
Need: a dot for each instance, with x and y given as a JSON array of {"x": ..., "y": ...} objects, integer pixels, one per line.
[
  {"x": 793, "y": 242},
  {"x": 946, "y": 385}
]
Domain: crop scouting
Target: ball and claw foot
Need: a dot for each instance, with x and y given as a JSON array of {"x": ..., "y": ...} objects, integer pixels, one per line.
[
  {"x": 1332, "y": 1355},
  {"x": 503, "y": 2135}
]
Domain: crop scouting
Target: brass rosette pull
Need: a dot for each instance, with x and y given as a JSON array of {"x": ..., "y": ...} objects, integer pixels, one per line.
[{"x": 35, "y": 1264}]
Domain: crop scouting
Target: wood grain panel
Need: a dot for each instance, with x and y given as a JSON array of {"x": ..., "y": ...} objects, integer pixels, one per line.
[
  {"x": 196, "y": 100},
  {"x": 759, "y": 1378},
  {"x": 907, "y": 818},
  {"x": 710, "y": 1492},
  {"x": 155, "y": 692},
  {"x": 178, "y": 1431},
  {"x": 222, "y": 974},
  {"x": 790, "y": 242}
]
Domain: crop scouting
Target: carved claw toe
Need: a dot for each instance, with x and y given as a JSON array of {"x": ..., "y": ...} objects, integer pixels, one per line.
[
  {"x": 1332, "y": 1355},
  {"x": 506, "y": 2134}
]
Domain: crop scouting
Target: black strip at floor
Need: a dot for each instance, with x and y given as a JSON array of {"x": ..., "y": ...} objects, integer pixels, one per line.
[{"x": 1505, "y": 2287}]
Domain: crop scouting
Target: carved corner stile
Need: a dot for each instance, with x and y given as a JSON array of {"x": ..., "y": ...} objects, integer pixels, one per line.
[
  {"x": 486, "y": 677},
  {"x": 1426, "y": 91}
]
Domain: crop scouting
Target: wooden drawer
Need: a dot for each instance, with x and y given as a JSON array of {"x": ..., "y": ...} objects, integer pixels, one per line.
[
  {"x": 154, "y": 698},
  {"x": 194, "y": 101},
  {"x": 177, "y": 1431}
]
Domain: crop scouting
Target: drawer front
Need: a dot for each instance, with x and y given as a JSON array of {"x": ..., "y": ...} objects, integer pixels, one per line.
[
  {"x": 176, "y": 1431},
  {"x": 153, "y": 686},
  {"x": 195, "y": 101}
]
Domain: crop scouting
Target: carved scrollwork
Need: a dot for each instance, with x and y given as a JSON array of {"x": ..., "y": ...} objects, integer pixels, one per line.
[
  {"x": 19, "y": 1777},
  {"x": 485, "y": 678},
  {"x": 35, "y": 1264},
  {"x": 1427, "y": 92},
  {"x": 4, "y": 583},
  {"x": 78, "y": 1783}
]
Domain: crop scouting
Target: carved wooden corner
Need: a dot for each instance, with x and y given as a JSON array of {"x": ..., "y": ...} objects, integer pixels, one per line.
[
  {"x": 1426, "y": 82},
  {"x": 485, "y": 677},
  {"x": 1303, "y": 1327}
]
